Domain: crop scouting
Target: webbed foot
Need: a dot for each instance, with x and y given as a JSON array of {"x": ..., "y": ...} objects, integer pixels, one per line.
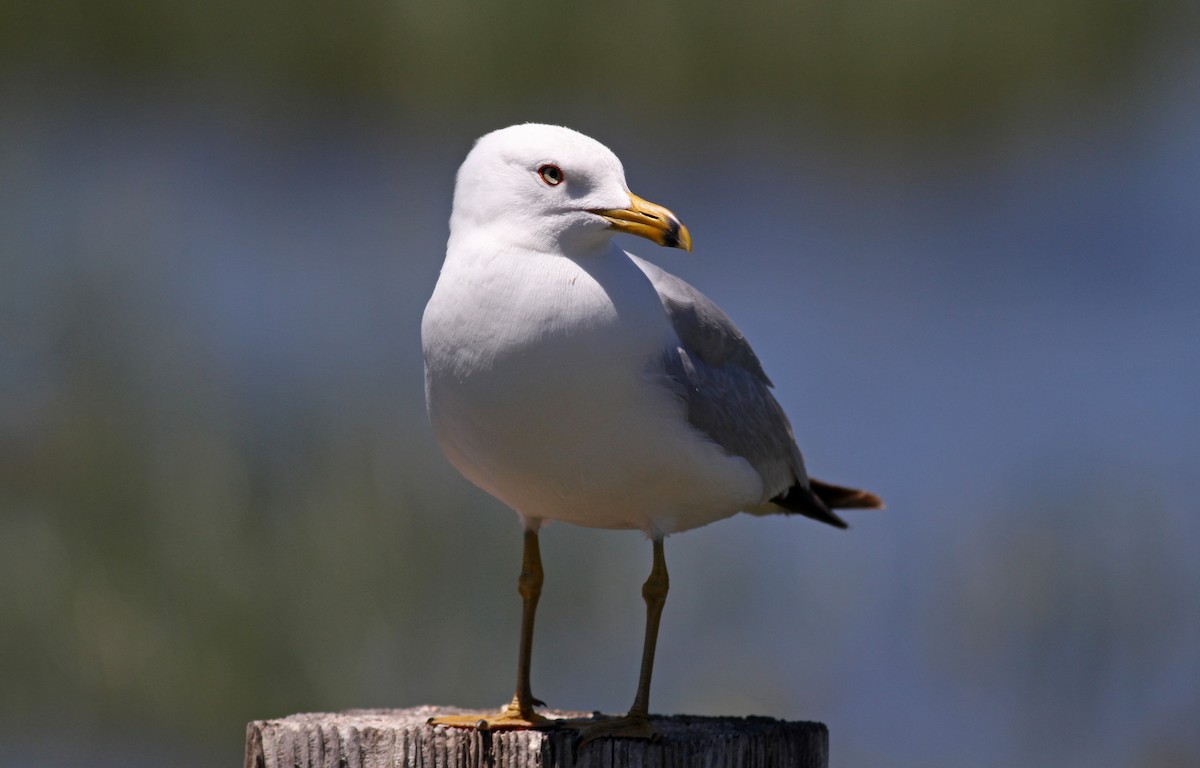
[
  {"x": 511, "y": 717},
  {"x": 625, "y": 727}
]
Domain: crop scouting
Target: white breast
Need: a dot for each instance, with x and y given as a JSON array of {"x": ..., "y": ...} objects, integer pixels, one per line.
[{"x": 540, "y": 379}]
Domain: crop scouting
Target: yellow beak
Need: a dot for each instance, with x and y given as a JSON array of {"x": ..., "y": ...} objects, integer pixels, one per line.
[{"x": 653, "y": 222}]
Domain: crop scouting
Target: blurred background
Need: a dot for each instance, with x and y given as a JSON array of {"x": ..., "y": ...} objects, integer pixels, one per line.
[{"x": 963, "y": 238}]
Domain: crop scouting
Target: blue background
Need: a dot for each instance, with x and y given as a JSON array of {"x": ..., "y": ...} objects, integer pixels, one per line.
[{"x": 963, "y": 239}]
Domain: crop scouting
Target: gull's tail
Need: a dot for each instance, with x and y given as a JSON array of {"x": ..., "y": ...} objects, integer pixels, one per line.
[{"x": 815, "y": 499}]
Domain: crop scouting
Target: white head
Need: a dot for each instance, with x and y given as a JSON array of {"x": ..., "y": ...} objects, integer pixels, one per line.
[{"x": 553, "y": 189}]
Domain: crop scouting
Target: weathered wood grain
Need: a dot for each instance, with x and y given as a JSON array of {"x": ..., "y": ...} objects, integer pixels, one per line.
[{"x": 395, "y": 738}]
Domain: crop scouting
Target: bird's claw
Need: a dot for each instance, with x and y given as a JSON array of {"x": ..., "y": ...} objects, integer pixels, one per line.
[
  {"x": 511, "y": 718},
  {"x": 626, "y": 727}
]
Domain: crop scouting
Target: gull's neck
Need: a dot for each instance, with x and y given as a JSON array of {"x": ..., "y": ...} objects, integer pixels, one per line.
[{"x": 572, "y": 244}]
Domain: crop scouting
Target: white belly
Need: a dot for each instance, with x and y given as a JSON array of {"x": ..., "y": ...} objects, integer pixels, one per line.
[{"x": 545, "y": 395}]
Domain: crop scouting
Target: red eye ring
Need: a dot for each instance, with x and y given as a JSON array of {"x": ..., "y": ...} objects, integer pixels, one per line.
[{"x": 551, "y": 174}]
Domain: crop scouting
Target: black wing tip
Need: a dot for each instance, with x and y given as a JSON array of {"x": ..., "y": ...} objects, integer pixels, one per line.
[
  {"x": 835, "y": 521},
  {"x": 816, "y": 500},
  {"x": 800, "y": 499}
]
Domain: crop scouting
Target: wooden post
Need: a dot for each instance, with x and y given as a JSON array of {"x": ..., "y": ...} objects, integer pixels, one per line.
[{"x": 391, "y": 738}]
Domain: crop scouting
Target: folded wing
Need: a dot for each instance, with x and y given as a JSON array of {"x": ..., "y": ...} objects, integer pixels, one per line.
[{"x": 728, "y": 398}]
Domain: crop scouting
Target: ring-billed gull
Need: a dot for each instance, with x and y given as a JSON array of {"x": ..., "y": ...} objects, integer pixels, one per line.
[{"x": 574, "y": 381}]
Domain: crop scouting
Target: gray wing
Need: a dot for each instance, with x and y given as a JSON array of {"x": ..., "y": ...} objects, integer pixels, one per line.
[{"x": 721, "y": 380}]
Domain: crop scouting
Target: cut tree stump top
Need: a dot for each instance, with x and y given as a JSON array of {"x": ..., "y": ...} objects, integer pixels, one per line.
[{"x": 391, "y": 738}]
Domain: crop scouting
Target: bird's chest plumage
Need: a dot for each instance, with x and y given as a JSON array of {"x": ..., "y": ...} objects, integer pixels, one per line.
[
  {"x": 523, "y": 379},
  {"x": 545, "y": 327}
]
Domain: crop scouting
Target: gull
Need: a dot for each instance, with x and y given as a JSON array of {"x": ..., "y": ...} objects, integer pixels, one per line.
[{"x": 574, "y": 381}]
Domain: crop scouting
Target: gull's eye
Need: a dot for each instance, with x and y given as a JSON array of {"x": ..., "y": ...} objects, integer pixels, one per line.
[{"x": 551, "y": 174}]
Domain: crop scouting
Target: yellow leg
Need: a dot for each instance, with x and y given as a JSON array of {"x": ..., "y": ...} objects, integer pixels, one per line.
[
  {"x": 519, "y": 712},
  {"x": 529, "y": 585},
  {"x": 636, "y": 723}
]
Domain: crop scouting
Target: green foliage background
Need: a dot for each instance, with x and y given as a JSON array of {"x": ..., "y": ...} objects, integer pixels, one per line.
[{"x": 189, "y": 540}]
